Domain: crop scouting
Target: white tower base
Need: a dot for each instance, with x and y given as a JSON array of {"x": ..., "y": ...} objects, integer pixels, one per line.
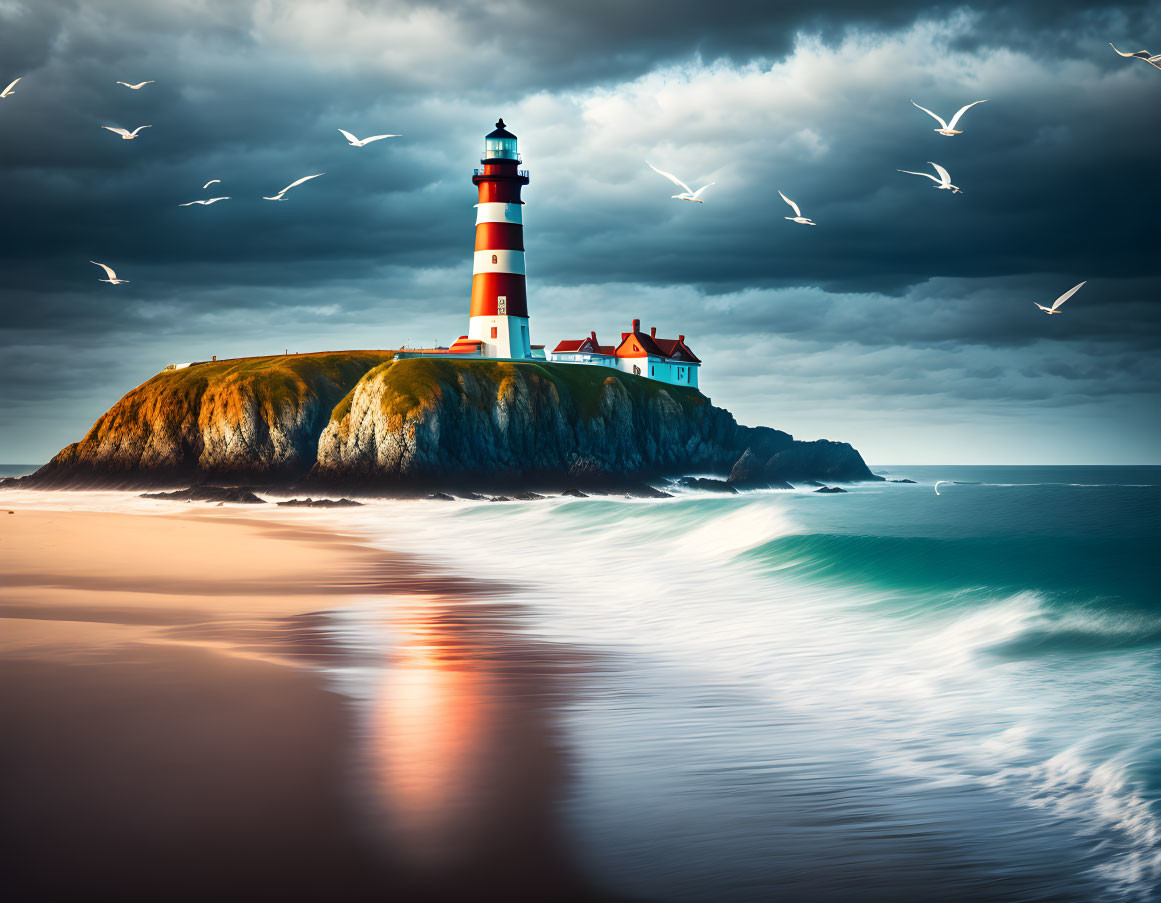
[{"x": 502, "y": 336}]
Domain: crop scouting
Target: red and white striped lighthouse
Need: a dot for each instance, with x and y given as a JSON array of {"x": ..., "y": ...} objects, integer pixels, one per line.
[{"x": 499, "y": 312}]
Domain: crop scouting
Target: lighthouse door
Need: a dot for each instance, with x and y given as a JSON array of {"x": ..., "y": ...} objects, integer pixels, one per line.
[{"x": 502, "y": 305}]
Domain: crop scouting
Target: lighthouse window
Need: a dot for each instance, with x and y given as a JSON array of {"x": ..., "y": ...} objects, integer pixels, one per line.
[
  {"x": 504, "y": 148},
  {"x": 502, "y": 305},
  {"x": 495, "y": 259},
  {"x": 494, "y": 332}
]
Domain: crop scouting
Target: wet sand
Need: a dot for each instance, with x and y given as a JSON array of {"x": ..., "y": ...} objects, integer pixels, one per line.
[{"x": 171, "y": 730}]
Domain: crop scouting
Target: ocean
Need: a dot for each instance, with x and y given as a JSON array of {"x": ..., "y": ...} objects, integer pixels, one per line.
[{"x": 882, "y": 694}]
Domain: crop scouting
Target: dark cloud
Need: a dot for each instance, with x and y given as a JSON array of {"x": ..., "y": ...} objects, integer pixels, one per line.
[{"x": 903, "y": 297}]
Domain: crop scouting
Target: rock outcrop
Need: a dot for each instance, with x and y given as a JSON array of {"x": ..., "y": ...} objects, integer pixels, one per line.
[
  {"x": 800, "y": 462},
  {"x": 367, "y": 422},
  {"x": 252, "y": 420},
  {"x": 430, "y": 420}
]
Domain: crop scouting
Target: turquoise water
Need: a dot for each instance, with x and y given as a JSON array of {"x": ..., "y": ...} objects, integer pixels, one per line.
[
  {"x": 886, "y": 694},
  {"x": 17, "y": 470}
]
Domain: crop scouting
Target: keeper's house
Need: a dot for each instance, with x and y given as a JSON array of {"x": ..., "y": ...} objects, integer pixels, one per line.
[{"x": 667, "y": 360}]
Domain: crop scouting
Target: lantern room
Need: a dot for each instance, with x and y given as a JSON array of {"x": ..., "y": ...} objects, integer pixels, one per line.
[{"x": 500, "y": 145}]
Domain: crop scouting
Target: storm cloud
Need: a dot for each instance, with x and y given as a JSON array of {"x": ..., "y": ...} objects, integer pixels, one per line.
[{"x": 902, "y": 323}]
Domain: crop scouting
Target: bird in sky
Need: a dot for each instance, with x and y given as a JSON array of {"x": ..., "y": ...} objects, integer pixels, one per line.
[
  {"x": 279, "y": 196},
  {"x": 1144, "y": 55},
  {"x": 112, "y": 280},
  {"x": 689, "y": 194},
  {"x": 798, "y": 217},
  {"x": 206, "y": 202},
  {"x": 363, "y": 142},
  {"x": 136, "y": 87},
  {"x": 125, "y": 134},
  {"x": 8, "y": 92},
  {"x": 209, "y": 183},
  {"x": 942, "y": 181},
  {"x": 948, "y": 128},
  {"x": 1055, "y": 308}
]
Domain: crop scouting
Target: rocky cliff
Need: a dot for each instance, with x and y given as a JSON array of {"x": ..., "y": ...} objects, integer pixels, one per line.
[
  {"x": 250, "y": 420},
  {"x": 365, "y": 420}
]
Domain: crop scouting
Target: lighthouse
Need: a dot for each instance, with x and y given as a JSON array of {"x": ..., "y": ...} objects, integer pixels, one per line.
[{"x": 499, "y": 310}]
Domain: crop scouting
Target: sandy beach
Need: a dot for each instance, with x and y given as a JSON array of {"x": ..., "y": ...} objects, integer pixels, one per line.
[{"x": 170, "y": 734}]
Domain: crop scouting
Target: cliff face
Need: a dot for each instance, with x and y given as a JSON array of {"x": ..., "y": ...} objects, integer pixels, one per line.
[
  {"x": 255, "y": 419},
  {"x": 362, "y": 419},
  {"x": 433, "y": 420}
]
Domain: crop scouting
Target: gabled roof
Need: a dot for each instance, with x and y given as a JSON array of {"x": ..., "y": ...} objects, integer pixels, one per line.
[
  {"x": 588, "y": 344},
  {"x": 637, "y": 344},
  {"x": 677, "y": 350}
]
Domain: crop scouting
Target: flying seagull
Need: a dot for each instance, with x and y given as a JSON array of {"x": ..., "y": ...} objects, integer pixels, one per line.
[
  {"x": 136, "y": 87},
  {"x": 279, "y": 196},
  {"x": 948, "y": 128},
  {"x": 8, "y": 92},
  {"x": 126, "y": 135},
  {"x": 206, "y": 202},
  {"x": 943, "y": 181},
  {"x": 112, "y": 280},
  {"x": 939, "y": 483},
  {"x": 1054, "y": 309},
  {"x": 798, "y": 217},
  {"x": 209, "y": 183},
  {"x": 1152, "y": 60},
  {"x": 363, "y": 142},
  {"x": 689, "y": 194}
]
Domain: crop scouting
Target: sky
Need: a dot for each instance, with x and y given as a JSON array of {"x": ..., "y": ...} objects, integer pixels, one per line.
[{"x": 903, "y": 323}]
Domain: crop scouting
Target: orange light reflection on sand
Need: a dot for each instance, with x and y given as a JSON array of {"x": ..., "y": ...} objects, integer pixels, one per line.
[{"x": 432, "y": 731}]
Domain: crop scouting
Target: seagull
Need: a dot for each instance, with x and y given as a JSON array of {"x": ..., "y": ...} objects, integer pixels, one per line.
[
  {"x": 209, "y": 183},
  {"x": 8, "y": 92},
  {"x": 136, "y": 87},
  {"x": 1054, "y": 309},
  {"x": 1154, "y": 60},
  {"x": 689, "y": 194},
  {"x": 363, "y": 142},
  {"x": 944, "y": 180},
  {"x": 948, "y": 128},
  {"x": 798, "y": 217},
  {"x": 939, "y": 483},
  {"x": 112, "y": 280},
  {"x": 279, "y": 196},
  {"x": 207, "y": 201},
  {"x": 126, "y": 135}
]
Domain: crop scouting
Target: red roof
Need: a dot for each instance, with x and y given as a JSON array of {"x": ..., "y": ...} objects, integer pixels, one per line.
[
  {"x": 587, "y": 344},
  {"x": 464, "y": 345},
  {"x": 676, "y": 348},
  {"x": 633, "y": 344}
]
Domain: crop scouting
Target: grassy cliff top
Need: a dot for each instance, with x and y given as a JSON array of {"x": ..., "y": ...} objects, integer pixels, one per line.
[
  {"x": 282, "y": 376},
  {"x": 414, "y": 382}
]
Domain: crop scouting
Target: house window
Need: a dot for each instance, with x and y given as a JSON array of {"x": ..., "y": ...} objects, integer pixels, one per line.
[
  {"x": 495, "y": 332},
  {"x": 636, "y": 370},
  {"x": 650, "y": 369}
]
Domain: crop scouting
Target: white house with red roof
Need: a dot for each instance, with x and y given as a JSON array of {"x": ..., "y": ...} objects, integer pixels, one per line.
[{"x": 643, "y": 354}]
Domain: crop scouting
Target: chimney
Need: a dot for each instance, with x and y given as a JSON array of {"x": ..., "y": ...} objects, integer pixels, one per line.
[
  {"x": 215, "y": 357},
  {"x": 594, "y": 335},
  {"x": 652, "y": 332},
  {"x": 681, "y": 339},
  {"x": 636, "y": 326}
]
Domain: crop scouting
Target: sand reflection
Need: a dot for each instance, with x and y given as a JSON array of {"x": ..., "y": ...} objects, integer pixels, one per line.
[{"x": 462, "y": 756}]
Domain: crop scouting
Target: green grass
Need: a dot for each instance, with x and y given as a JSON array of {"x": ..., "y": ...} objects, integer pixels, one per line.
[{"x": 413, "y": 383}]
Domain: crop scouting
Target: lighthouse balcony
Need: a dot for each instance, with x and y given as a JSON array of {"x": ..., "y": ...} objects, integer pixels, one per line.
[{"x": 521, "y": 173}]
